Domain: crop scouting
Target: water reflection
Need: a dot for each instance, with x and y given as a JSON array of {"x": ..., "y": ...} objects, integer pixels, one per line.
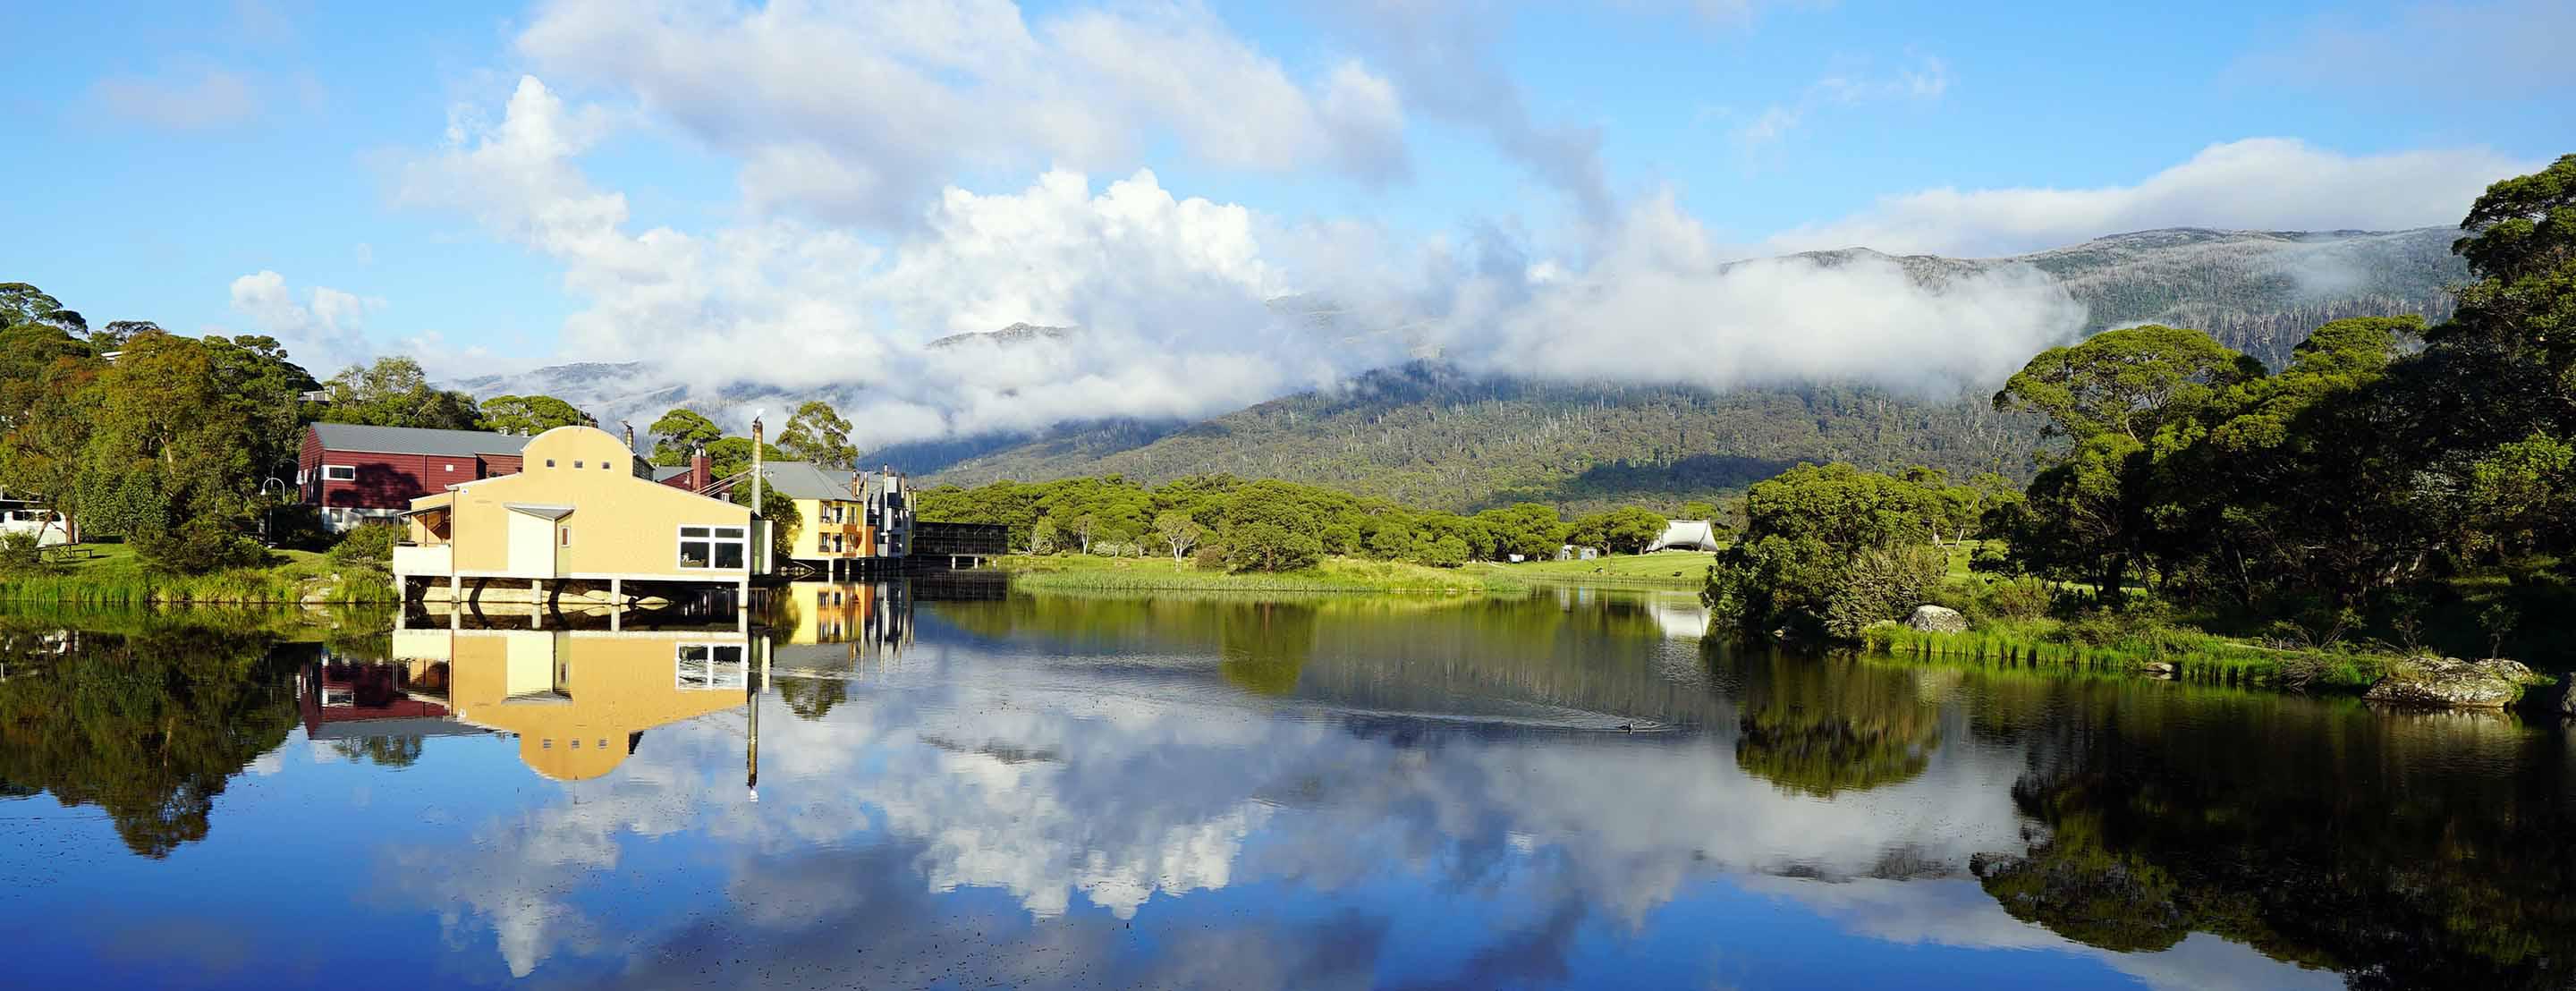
[{"x": 1223, "y": 792}]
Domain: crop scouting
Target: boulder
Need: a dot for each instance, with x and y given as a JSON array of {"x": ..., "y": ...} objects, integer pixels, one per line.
[
  {"x": 1937, "y": 619},
  {"x": 2452, "y": 683}
]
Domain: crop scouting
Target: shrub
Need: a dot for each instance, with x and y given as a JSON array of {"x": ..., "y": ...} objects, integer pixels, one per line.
[
  {"x": 1882, "y": 583},
  {"x": 368, "y": 547},
  {"x": 2020, "y": 598},
  {"x": 197, "y": 547},
  {"x": 21, "y": 554}
]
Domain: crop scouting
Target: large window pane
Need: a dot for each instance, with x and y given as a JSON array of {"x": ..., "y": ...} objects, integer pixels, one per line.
[
  {"x": 729, "y": 555},
  {"x": 695, "y": 554}
]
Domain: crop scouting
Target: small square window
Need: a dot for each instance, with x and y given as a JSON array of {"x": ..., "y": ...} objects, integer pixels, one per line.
[
  {"x": 450, "y": 468},
  {"x": 550, "y": 462},
  {"x": 578, "y": 464}
]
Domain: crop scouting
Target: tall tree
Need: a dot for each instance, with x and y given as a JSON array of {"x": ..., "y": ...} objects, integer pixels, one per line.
[
  {"x": 21, "y": 303},
  {"x": 395, "y": 392},
  {"x": 2087, "y": 513},
  {"x": 817, "y": 433},
  {"x": 679, "y": 432},
  {"x": 529, "y": 416}
]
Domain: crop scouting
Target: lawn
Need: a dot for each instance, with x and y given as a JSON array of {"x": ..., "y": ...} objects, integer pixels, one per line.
[
  {"x": 1670, "y": 569},
  {"x": 109, "y": 574},
  {"x": 1071, "y": 572}
]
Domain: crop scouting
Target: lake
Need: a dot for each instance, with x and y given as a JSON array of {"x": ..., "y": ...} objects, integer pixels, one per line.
[{"x": 948, "y": 786}]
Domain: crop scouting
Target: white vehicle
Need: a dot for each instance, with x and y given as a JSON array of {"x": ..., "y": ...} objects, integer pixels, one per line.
[{"x": 21, "y": 516}]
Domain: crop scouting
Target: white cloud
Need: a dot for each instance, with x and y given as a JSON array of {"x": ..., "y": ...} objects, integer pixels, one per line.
[
  {"x": 1441, "y": 54},
  {"x": 205, "y": 100},
  {"x": 2253, "y": 184},
  {"x": 859, "y": 113},
  {"x": 1925, "y": 79},
  {"x": 1168, "y": 289},
  {"x": 325, "y": 332},
  {"x": 1662, "y": 304}
]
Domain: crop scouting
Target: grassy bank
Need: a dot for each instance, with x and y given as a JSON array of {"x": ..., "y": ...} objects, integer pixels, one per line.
[
  {"x": 1669, "y": 569},
  {"x": 115, "y": 578},
  {"x": 2191, "y": 655},
  {"x": 1074, "y": 572}
]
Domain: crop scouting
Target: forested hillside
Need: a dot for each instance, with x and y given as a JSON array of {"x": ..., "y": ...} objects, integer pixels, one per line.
[{"x": 1428, "y": 435}]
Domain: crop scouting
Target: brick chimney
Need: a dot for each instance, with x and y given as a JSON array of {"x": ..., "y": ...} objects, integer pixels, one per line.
[{"x": 701, "y": 471}]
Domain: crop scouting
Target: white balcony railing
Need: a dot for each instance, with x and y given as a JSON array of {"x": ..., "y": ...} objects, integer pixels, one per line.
[{"x": 424, "y": 559}]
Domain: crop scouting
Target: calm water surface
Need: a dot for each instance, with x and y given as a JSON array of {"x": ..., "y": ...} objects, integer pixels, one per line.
[{"x": 1572, "y": 790}]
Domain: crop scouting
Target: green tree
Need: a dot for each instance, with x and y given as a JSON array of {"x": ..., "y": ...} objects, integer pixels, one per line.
[
  {"x": 1179, "y": 533},
  {"x": 1825, "y": 552},
  {"x": 1529, "y": 529},
  {"x": 817, "y": 433},
  {"x": 730, "y": 456},
  {"x": 1626, "y": 530},
  {"x": 395, "y": 392},
  {"x": 529, "y": 416},
  {"x": 1266, "y": 546},
  {"x": 779, "y": 512},
  {"x": 2088, "y": 512},
  {"x": 2130, "y": 382},
  {"x": 681, "y": 431},
  {"x": 21, "y": 303}
]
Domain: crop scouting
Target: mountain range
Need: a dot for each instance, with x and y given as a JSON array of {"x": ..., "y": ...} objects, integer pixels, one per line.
[{"x": 1429, "y": 433}]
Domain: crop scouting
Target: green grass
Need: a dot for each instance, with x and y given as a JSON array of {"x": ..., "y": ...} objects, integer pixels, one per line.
[
  {"x": 2195, "y": 655},
  {"x": 116, "y": 578},
  {"x": 1669, "y": 569},
  {"x": 1076, "y": 572}
]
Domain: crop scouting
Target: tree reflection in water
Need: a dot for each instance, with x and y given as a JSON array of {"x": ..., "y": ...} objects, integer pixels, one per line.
[
  {"x": 2405, "y": 849},
  {"x": 1820, "y": 726},
  {"x": 146, "y": 724}
]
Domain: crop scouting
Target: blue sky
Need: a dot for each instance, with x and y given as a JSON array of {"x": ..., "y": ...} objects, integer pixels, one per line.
[{"x": 798, "y": 156}]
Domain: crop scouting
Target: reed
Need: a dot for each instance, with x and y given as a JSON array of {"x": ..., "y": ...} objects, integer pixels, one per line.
[{"x": 2192, "y": 655}]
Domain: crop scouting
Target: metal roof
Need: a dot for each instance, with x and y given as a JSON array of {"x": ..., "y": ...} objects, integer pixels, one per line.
[
  {"x": 416, "y": 440},
  {"x": 803, "y": 480},
  {"x": 664, "y": 473}
]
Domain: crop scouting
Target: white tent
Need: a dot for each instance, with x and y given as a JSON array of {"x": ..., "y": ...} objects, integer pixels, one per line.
[{"x": 1686, "y": 535}]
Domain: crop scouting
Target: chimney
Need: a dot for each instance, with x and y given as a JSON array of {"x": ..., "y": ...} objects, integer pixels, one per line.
[
  {"x": 630, "y": 435},
  {"x": 701, "y": 471}
]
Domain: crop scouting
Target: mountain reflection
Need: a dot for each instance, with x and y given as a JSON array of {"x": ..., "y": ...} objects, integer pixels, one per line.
[{"x": 1337, "y": 792}]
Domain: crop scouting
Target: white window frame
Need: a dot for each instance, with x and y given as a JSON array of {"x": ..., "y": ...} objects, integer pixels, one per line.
[
  {"x": 711, "y": 669},
  {"x": 328, "y": 476},
  {"x": 681, "y": 540}
]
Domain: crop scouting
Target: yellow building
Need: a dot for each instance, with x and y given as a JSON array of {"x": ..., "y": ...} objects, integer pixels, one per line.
[
  {"x": 579, "y": 701},
  {"x": 582, "y": 508},
  {"x": 843, "y": 520}
]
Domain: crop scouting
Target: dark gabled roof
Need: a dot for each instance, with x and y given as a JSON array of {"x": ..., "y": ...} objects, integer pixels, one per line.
[
  {"x": 415, "y": 440},
  {"x": 802, "y": 480},
  {"x": 664, "y": 473}
]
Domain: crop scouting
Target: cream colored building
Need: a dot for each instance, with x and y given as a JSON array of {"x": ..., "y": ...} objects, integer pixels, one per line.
[{"x": 582, "y": 508}]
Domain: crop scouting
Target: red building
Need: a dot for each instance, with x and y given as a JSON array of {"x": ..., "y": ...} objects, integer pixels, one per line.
[
  {"x": 358, "y": 473},
  {"x": 355, "y": 473}
]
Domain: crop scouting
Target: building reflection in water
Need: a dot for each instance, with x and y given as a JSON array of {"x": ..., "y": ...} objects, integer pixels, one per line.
[{"x": 580, "y": 688}]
